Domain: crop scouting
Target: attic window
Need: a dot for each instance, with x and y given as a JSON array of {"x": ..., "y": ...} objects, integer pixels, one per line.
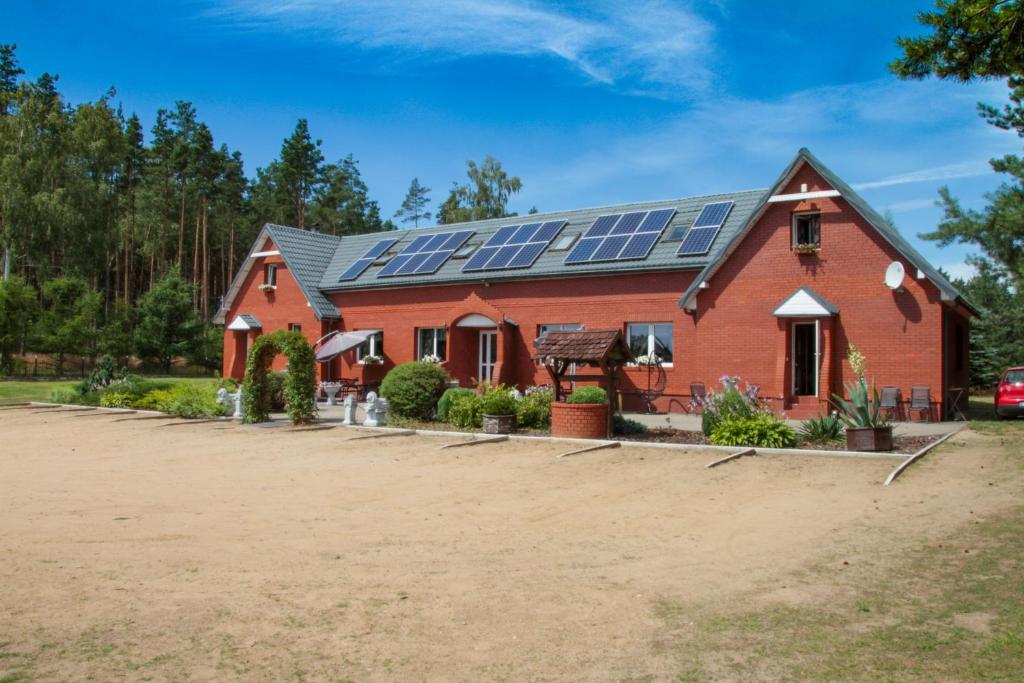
[
  {"x": 564, "y": 242},
  {"x": 806, "y": 230},
  {"x": 270, "y": 275},
  {"x": 466, "y": 251}
]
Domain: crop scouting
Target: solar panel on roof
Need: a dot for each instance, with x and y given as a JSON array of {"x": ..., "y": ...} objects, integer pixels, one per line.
[
  {"x": 514, "y": 246},
  {"x": 702, "y": 233},
  {"x": 620, "y": 237},
  {"x": 425, "y": 254},
  {"x": 362, "y": 263}
]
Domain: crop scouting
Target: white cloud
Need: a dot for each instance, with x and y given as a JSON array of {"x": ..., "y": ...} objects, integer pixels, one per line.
[
  {"x": 908, "y": 205},
  {"x": 967, "y": 169},
  {"x": 652, "y": 43},
  {"x": 959, "y": 270}
]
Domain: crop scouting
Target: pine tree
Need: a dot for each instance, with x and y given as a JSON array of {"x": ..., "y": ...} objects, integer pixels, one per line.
[
  {"x": 414, "y": 206},
  {"x": 299, "y": 170}
]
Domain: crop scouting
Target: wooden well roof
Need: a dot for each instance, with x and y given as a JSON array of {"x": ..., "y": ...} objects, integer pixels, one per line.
[{"x": 584, "y": 346}]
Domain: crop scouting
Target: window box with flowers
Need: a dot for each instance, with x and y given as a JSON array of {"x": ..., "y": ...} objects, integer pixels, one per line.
[
  {"x": 808, "y": 248},
  {"x": 431, "y": 358},
  {"x": 648, "y": 360},
  {"x": 371, "y": 360},
  {"x": 267, "y": 288}
]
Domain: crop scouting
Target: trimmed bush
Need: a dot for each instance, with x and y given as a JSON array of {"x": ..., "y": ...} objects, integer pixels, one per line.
[
  {"x": 498, "y": 401},
  {"x": 764, "y": 429},
  {"x": 466, "y": 411},
  {"x": 534, "y": 409},
  {"x": 157, "y": 399},
  {"x": 191, "y": 400},
  {"x": 728, "y": 405},
  {"x": 413, "y": 389},
  {"x": 588, "y": 395},
  {"x": 626, "y": 426},
  {"x": 117, "y": 399},
  {"x": 68, "y": 396},
  {"x": 444, "y": 404}
]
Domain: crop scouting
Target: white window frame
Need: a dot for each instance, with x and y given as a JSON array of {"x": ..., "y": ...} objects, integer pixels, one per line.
[
  {"x": 270, "y": 274},
  {"x": 651, "y": 339},
  {"x": 433, "y": 331},
  {"x": 374, "y": 346},
  {"x": 295, "y": 327},
  {"x": 794, "y": 236}
]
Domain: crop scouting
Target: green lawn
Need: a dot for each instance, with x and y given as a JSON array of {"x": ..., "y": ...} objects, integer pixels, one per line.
[
  {"x": 983, "y": 418},
  {"x": 16, "y": 391}
]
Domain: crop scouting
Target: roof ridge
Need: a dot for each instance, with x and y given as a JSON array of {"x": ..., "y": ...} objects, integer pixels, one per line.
[{"x": 302, "y": 231}]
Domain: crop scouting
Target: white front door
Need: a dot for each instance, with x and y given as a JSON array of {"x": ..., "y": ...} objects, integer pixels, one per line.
[{"x": 488, "y": 355}]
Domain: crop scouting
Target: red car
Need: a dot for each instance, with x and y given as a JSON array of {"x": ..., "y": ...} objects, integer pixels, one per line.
[{"x": 1010, "y": 394}]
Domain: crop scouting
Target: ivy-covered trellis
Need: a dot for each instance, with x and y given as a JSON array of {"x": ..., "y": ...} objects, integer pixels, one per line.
[{"x": 299, "y": 387}]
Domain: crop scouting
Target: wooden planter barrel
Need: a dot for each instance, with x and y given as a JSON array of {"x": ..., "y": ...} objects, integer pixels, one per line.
[
  {"x": 869, "y": 439},
  {"x": 580, "y": 420}
]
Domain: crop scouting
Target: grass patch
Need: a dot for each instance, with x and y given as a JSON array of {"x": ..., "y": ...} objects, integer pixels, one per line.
[
  {"x": 17, "y": 391},
  {"x": 944, "y": 615},
  {"x": 983, "y": 418}
]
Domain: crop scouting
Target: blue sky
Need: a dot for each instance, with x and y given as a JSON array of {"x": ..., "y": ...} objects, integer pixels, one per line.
[{"x": 589, "y": 103}]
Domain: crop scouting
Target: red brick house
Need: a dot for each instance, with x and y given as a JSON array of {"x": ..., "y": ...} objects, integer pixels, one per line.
[{"x": 771, "y": 285}]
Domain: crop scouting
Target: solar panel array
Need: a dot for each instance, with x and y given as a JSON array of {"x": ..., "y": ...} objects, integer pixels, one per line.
[
  {"x": 425, "y": 254},
  {"x": 705, "y": 228},
  {"x": 361, "y": 264},
  {"x": 514, "y": 246},
  {"x": 620, "y": 237}
]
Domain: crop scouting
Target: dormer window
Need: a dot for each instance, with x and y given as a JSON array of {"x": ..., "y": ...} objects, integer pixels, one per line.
[
  {"x": 806, "y": 231},
  {"x": 270, "y": 275}
]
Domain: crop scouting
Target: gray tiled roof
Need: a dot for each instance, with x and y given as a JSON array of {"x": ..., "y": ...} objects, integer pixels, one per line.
[
  {"x": 551, "y": 263},
  {"x": 251, "y": 320},
  {"x": 307, "y": 254}
]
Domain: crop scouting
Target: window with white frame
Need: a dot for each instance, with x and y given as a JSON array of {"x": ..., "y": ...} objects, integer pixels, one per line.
[
  {"x": 807, "y": 229},
  {"x": 295, "y": 327},
  {"x": 270, "y": 275},
  {"x": 557, "y": 327},
  {"x": 372, "y": 347},
  {"x": 648, "y": 339},
  {"x": 432, "y": 342}
]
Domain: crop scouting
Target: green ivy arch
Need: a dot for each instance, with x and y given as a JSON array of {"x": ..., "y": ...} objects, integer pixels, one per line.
[{"x": 299, "y": 387}]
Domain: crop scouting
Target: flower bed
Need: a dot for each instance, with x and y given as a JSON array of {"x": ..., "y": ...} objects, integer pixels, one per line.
[{"x": 902, "y": 444}]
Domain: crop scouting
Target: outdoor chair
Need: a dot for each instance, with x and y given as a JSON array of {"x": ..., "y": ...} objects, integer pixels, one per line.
[
  {"x": 921, "y": 401},
  {"x": 698, "y": 397},
  {"x": 890, "y": 402}
]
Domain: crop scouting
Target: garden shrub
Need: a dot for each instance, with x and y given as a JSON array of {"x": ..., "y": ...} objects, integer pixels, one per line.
[
  {"x": 763, "y": 429},
  {"x": 728, "y": 405},
  {"x": 466, "y": 411},
  {"x": 498, "y": 401},
  {"x": 413, "y": 389},
  {"x": 822, "y": 429},
  {"x": 444, "y": 404},
  {"x": 588, "y": 395},
  {"x": 156, "y": 399},
  {"x": 534, "y": 409},
  {"x": 190, "y": 400},
  {"x": 65, "y": 396},
  {"x": 117, "y": 399},
  {"x": 624, "y": 425}
]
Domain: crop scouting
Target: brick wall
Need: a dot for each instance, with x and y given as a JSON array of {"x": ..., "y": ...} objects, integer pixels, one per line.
[{"x": 579, "y": 420}]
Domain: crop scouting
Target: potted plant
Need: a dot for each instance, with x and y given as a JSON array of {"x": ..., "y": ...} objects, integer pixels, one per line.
[
  {"x": 866, "y": 429},
  {"x": 583, "y": 415},
  {"x": 431, "y": 358},
  {"x": 370, "y": 359},
  {"x": 499, "y": 411},
  {"x": 808, "y": 248}
]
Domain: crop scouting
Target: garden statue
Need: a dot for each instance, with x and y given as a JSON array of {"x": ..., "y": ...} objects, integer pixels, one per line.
[
  {"x": 349, "y": 406},
  {"x": 232, "y": 402},
  {"x": 331, "y": 389},
  {"x": 376, "y": 409}
]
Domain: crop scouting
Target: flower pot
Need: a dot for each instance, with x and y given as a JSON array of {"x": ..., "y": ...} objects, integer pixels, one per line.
[
  {"x": 869, "y": 439},
  {"x": 499, "y": 424},
  {"x": 580, "y": 420}
]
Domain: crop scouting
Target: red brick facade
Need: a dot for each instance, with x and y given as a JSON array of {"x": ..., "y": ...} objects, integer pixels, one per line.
[
  {"x": 580, "y": 420},
  {"x": 908, "y": 336}
]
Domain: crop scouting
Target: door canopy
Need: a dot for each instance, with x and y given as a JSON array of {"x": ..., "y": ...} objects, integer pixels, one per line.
[
  {"x": 805, "y": 303},
  {"x": 475, "y": 320}
]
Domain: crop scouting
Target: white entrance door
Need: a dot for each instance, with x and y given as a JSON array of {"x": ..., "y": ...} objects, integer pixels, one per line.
[{"x": 488, "y": 355}]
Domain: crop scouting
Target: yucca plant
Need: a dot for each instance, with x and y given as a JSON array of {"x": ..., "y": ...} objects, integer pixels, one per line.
[{"x": 863, "y": 409}]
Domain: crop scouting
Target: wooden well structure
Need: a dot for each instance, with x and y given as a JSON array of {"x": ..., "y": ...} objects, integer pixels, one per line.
[{"x": 605, "y": 350}]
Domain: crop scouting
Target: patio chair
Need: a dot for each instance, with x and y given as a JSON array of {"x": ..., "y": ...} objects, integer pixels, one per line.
[
  {"x": 698, "y": 397},
  {"x": 921, "y": 401},
  {"x": 890, "y": 402}
]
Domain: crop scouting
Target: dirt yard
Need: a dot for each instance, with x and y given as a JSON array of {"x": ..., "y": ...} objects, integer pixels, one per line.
[{"x": 132, "y": 550}]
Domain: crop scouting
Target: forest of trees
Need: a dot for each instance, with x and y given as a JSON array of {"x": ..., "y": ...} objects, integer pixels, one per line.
[{"x": 96, "y": 212}]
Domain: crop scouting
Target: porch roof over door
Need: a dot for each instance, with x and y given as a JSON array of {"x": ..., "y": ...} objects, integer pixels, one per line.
[{"x": 805, "y": 303}]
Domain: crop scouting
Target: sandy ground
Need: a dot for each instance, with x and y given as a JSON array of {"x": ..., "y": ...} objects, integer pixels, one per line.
[{"x": 137, "y": 551}]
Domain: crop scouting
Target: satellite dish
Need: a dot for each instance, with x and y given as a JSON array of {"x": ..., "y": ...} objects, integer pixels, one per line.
[{"x": 894, "y": 276}]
